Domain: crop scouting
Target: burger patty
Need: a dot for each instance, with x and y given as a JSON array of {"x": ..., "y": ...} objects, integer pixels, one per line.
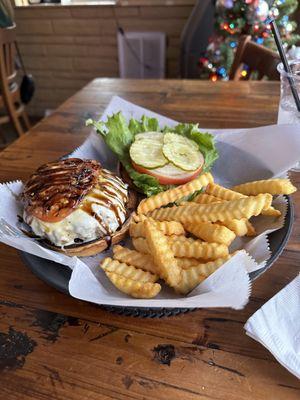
[{"x": 56, "y": 189}]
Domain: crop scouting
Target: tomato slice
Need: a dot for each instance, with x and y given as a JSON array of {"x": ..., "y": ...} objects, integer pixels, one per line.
[{"x": 169, "y": 174}]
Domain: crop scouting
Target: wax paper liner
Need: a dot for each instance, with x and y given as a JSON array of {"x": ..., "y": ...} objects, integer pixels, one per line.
[{"x": 227, "y": 287}]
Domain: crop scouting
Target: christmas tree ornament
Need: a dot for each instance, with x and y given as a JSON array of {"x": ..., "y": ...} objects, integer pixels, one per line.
[
  {"x": 224, "y": 3},
  {"x": 262, "y": 10},
  {"x": 274, "y": 12}
]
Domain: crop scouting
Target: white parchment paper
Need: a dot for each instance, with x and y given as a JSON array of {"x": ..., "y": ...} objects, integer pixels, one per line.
[{"x": 245, "y": 154}]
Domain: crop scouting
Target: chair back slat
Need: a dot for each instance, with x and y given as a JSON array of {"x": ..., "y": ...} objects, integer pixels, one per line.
[
  {"x": 7, "y": 53},
  {"x": 9, "y": 88},
  {"x": 258, "y": 58}
]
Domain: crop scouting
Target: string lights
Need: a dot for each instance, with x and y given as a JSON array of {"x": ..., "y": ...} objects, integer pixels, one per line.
[{"x": 238, "y": 17}]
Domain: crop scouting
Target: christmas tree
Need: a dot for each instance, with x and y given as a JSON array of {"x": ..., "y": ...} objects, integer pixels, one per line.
[{"x": 245, "y": 17}]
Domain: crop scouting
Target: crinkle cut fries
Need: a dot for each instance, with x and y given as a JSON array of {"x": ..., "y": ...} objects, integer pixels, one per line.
[{"x": 184, "y": 243}]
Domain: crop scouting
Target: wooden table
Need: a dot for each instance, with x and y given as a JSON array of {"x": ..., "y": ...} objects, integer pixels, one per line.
[{"x": 56, "y": 347}]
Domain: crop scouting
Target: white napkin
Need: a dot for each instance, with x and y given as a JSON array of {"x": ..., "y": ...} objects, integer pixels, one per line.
[{"x": 276, "y": 325}]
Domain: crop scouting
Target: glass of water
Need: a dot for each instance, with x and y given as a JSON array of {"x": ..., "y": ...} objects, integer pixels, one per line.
[{"x": 288, "y": 113}]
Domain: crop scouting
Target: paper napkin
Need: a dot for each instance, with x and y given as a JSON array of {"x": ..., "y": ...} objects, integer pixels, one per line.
[{"x": 276, "y": 325}]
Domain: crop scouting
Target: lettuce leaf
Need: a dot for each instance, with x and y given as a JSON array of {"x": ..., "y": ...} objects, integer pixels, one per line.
[
  {"x": 115, "y": 132},
  {"x": 119, "y": 135},
  {"x": 146, "y": 124}
]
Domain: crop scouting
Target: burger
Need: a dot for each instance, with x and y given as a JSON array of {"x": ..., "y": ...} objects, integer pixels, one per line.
[{"x": 76, "y": 206}]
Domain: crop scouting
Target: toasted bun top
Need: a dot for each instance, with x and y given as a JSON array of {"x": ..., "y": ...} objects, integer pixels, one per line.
[{"x": 57, "y": 188}]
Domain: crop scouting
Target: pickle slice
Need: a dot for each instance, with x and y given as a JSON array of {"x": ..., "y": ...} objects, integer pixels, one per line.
[
  {"x": 148, "y": 153},
  {"x": 175, "y": 138},
  {"x": 183, "y": 155},
  {"x": 159, "y": 136}
]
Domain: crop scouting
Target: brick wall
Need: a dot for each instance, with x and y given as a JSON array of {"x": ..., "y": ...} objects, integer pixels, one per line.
[{"x": 64, "y": 47}]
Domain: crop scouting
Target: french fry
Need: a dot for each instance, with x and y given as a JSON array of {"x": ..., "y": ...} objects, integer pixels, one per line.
[
  {"x": 128, "y": 271},
  {"x": 140, "y": 245},
  {"x": 271, "y": 211},
  {"x": 250, "y": 229},
  {"x": 187, "y": 247},
  {"x": 186, "y": 263},
  {"x": 162, "y": 254},
  {"x": 209, "y": 267},
  {"x": 204, "y": 198},
  {"x": 191, "y": 277},
  {"x": 238, "y": 226},
  {"x": 211, "y": 232},
  {"x": 227, "y": 194},
  {"x": 181, "y": 238},
  {"x": 137, "y": 218},
  {"x": 135, "y": 258},
  {"x": 272, "y": 186},
  {"x": 166, "y": 227},
  {"x": 142, "y": 259},
  {"x": 195, "y": 213},
  {"x": 190, "y": 248},
  {"x": 222, "y": 192},
  {"x": 140, "y": 290},
  {"x": 169, "y": 196}
]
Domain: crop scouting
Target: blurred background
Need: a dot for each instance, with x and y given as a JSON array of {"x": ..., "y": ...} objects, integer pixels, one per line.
[{"x": 66, "y": 44}]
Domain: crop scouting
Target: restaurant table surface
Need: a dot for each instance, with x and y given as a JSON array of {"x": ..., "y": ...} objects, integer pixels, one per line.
[{"x": 53, "y": 346}]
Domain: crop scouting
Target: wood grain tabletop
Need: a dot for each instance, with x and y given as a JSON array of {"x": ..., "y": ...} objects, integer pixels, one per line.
[{"x": 53, "y": 346}]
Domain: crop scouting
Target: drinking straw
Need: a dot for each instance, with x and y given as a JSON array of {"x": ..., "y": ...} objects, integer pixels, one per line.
[{"x": 284, "y": 60}]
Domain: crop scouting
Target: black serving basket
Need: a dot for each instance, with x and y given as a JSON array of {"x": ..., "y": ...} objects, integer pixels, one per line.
[{"x": 58, "y": 276}]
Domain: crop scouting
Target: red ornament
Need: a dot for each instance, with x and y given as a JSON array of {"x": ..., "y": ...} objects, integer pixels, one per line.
[{"x": 203, "y": 60}]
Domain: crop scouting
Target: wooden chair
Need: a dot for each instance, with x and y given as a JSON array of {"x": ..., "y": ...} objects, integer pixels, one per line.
[
  {"x": 258, "y": 58},
  {"x": 10, "y": 100}
]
